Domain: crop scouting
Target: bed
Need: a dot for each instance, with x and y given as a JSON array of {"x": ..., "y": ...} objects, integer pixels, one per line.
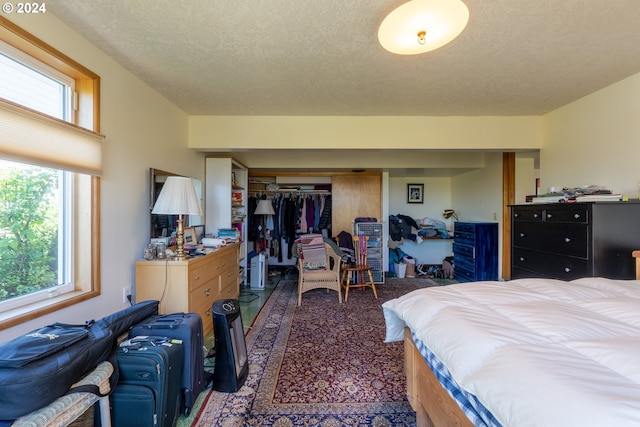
[{"x": 528, "y": 352}]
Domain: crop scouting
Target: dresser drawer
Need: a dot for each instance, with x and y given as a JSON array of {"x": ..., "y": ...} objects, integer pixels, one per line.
[
  {"x": 203, "y": 308},
  {"x": 518, "y": 273},
  {"x": 225, "y": 261},
  {"x": 563, "y": 239},
  {"x": 535, "y": 214},
  {"x": 200, "y": 275},
  {"x": 205, "y": 292},
  {"x": 463, "y": 251},
  {"x": 464, "y": 227},
  {"x": 550, "y": 265},
  {"x": 464, "y": 275},
  {"x": 228, "y": 277},
  {"x": 464, "y": 238},
  {"x": 464, "y": 263},
  {"x": 575, "y": 215}
]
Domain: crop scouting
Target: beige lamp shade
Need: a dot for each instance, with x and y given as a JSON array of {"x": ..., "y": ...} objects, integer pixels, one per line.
[
  {"x": 178, "y": 196},
  {"x": 420, "y": 26},
  {"x": 264, "y": 208}
]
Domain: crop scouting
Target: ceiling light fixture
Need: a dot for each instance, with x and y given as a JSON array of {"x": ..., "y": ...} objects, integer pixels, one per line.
[{"x": 421, "y": 26}]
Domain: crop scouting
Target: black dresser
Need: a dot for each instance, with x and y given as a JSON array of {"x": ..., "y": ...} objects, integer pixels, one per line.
[
  {"x": 571, "y": 240},
  {"x": 475, "y": 251}
]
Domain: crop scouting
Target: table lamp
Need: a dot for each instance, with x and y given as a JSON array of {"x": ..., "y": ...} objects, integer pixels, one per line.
[
  {"x": 264, "y": 208},
  {"x": 178, "y": 197}
]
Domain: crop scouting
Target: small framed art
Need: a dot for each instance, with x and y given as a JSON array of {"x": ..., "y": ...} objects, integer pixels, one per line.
[
  {"x": 199, "y": 230},
  {"x": 415, "y": 193},
  {"x": 190, "y": 236}
]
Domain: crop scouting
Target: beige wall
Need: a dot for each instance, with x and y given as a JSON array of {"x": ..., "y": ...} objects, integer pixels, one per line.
[
  {"x": 142, "y": 130},
  {"x": 595, "y": 140},
  {"x": 280, "y": 132}
]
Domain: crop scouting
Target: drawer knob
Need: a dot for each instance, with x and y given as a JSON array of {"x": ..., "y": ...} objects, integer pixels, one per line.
[
  {"x": 576, "y": 216},
  {"x": 208, "y": 312},
  {"x": 207, "y": 292},
  {"x": 549, "y": 215},
  {"x": 522, "y": 259},
  {"x": 516, "y": 215},
  {"x": 523, "y": 235},
  {"x": 535, "y": 215},
  {"x": 196, "y": 278},
  {"x": 567, "y": 239},
  {"x": 567, "y": 269}
]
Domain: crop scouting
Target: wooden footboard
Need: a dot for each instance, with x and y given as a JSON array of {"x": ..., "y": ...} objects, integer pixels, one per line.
[{"x": 432, "y": 403}]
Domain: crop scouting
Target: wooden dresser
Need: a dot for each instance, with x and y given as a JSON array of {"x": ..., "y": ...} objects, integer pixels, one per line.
[
  {"x": 571, "y": 240},
  {"x": 191, "y": 285},
  {"x": 475, "y": 251}
]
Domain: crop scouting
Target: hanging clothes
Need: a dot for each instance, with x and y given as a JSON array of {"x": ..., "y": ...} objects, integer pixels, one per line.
[
  {"x": 253, "y": 221},
  {"x": 325, "y": 216},
  {"x": 295, "y": 214}
]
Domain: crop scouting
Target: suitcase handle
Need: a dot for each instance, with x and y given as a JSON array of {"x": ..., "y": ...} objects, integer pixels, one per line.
[{"x": 167, "y": 321}]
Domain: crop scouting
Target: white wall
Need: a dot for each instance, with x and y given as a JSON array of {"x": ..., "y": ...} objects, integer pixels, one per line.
[
  {"x": 595, "y": 140},
  {"x": 437, "y": 198},
  {"x": 142, "y": 130}
]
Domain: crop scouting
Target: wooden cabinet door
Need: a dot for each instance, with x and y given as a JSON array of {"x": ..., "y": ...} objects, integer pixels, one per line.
[{"x": 354, "y": 196}]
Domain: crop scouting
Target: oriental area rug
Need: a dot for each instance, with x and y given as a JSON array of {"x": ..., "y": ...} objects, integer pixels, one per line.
[{"x": 320, "y": 364}]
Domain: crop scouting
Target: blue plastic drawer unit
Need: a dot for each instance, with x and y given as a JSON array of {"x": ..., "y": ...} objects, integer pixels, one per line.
[{"x": 475, "y": 251}]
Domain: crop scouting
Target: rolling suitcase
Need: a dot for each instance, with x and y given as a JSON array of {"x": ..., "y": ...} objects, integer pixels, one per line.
[
  {"x": 148, "y": 391},
  {"x": 186, "y": 327}
]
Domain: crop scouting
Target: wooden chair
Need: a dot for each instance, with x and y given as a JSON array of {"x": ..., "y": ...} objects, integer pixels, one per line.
[
  {"x": 360, "y": 271},
  {"x": 328, "y": 278}
]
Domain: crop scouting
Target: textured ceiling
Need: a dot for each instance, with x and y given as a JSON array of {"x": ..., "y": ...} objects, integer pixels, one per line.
[{"x": 322, "y": 57}]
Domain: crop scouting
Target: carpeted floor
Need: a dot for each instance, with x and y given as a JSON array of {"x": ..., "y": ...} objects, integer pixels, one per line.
[{"x": 320, "y": 364}]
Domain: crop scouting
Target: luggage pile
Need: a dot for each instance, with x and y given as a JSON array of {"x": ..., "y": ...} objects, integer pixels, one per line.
[{"x": 159, "y": 362}]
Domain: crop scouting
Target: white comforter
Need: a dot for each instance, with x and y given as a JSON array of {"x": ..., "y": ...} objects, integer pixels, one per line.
[{"x": 535, "y": 352}]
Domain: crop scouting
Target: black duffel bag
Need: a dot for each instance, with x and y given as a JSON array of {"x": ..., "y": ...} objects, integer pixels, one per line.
[{"x": 40, "y": 366}]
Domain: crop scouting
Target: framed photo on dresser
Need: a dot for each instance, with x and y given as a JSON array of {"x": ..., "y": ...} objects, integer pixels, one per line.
[{"x": 190, "y": 236}]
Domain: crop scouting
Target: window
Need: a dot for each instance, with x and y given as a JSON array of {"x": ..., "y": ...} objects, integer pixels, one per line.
[{"x": 49, "y": 179}]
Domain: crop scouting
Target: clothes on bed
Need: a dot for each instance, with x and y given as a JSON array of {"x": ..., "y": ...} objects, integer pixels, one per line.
[{"x": 535, "y": 352}]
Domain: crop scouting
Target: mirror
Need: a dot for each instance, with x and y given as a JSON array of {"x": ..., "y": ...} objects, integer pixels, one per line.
[{"x": 164, "y": 225}]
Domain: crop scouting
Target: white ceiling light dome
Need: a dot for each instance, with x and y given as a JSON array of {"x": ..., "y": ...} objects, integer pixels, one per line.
[{"x": 421, "y": 26}]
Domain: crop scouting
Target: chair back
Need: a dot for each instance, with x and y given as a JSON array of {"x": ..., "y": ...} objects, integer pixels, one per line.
[{"x": 360, "y": 244}]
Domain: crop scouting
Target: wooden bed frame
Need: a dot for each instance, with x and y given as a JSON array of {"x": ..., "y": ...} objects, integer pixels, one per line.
[{"x": 432, "y": 403}]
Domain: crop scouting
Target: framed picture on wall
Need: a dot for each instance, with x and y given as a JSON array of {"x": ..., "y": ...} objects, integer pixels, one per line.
[{"x": 415, "y": 193}]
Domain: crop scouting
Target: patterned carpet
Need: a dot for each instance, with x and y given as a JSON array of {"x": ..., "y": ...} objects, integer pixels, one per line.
[{"x": 320, "y": 364}]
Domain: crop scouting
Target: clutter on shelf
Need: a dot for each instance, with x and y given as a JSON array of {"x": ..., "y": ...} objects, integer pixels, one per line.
[
  {"x": 590, "y": 193},
  {"x": 405, "y": 227}
]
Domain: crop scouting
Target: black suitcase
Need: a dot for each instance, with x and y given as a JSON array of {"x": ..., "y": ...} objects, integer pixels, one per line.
[
  {"x": 186, "y": 327},
  {"x": 40, "y": 366},
  {"x": 141, "y": 398},
  {"x": 150, "y": 368}
]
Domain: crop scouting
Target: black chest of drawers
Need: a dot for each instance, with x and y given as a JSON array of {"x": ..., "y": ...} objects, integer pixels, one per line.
[
  {"x": 571, "y": 240},
  {"x": 475, "y": 251}
]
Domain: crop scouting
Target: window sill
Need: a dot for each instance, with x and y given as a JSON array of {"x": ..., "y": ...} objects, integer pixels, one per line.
[{"x": 32, "y": 311}]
